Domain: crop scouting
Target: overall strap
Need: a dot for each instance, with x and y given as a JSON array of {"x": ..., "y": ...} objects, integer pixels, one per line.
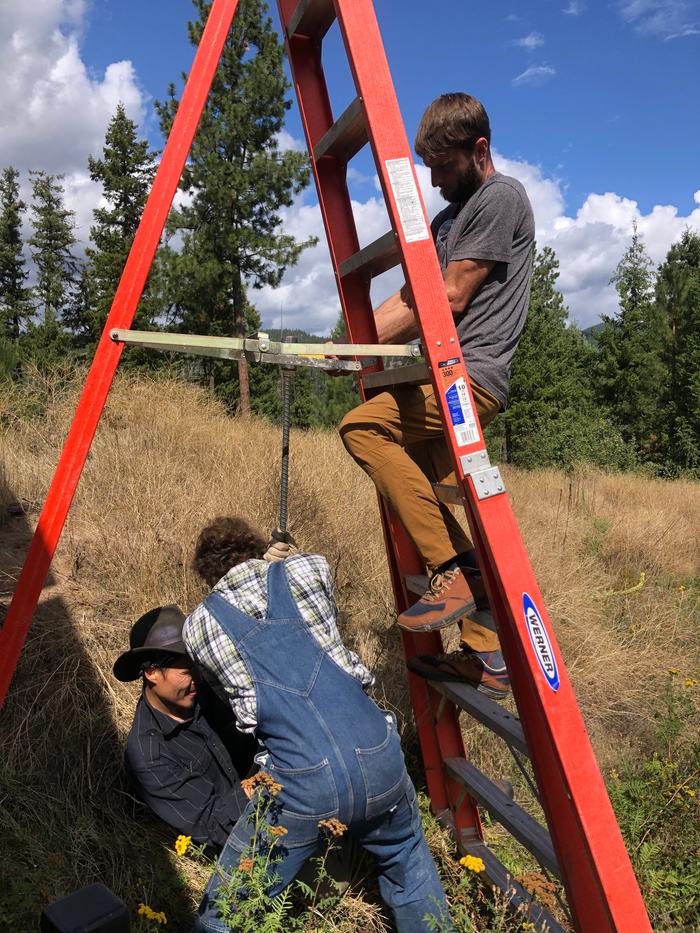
[
  {"x": 235, "y": 623},
  {"x": 280, "y": 602}
]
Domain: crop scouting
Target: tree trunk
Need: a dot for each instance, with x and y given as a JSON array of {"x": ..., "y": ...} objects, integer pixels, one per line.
[
  {"x": 244, "y": 388},
  {"x": 509, "y": 442},
  {"x": 239, "y": 327}
]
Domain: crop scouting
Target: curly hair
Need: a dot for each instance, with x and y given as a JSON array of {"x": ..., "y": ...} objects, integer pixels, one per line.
[{"x": 222, "y": 544}]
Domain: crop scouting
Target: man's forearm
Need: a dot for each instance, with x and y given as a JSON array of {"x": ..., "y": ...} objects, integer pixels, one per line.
[{"x": 395, "y": 320}]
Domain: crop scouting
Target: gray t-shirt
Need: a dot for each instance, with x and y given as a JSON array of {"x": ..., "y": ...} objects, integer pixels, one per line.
[{"x": 496, "y": 224}]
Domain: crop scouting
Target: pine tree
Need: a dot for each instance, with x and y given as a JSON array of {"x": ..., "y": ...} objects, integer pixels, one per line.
[
  {"x": 678, "y": 297},
  {"x": 125, "y": 173},
  {"x": 631, "y": 374},
  {"x": 551, "y": 418},
  {"x": 15, "y": 306},
  {"x": 237, "y": 180},
  {"x": 51, "y": 248}
]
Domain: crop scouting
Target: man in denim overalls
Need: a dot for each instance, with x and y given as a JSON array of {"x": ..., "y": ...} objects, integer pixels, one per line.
[{"x": 267, "y": 633}]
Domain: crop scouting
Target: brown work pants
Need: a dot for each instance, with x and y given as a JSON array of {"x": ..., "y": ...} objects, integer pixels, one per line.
[{"x": 397, "y": 438}]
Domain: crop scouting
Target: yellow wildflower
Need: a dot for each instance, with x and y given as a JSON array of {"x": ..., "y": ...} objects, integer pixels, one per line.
[
  {"x": 689, "y": 682},
  {"x": 614, "y": 774},
  {"x": 529, "y": 927},
  {"x": 182, "y": 844},
  {"x": 689, "y": 791},
  {"x": 673, "y": 670},
  {"x": 473, "y": 863},
  {"x": 150, "y": 914}
]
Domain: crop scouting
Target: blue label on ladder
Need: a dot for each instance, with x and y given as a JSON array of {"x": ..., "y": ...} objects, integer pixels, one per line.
[{"x": 540, "y": 642}]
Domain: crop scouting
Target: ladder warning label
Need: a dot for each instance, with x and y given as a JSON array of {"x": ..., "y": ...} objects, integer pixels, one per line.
[
  {"x": 540, "y": 642},
  {"x": 462, "y": 413},
  {"x": 403, "y": 185}
]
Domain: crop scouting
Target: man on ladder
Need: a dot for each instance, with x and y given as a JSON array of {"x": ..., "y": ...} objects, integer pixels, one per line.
[{"x": 484, "y": 240}]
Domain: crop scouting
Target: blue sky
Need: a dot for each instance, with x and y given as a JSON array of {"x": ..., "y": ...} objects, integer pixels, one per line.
[{"x": 593, "y": 105}]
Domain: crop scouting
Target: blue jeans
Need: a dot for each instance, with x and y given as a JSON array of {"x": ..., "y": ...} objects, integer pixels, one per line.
[{"x": 408, "y": 882}]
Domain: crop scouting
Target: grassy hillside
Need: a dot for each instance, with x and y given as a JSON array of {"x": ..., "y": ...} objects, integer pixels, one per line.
[{"x": 166, "y": 459}]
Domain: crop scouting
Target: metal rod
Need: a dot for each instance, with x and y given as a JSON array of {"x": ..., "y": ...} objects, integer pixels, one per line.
[
  {"x": 287, "y": 378},
  {"x": 220, "y": 346}
]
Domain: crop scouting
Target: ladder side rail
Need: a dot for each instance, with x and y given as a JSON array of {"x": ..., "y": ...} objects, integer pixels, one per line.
[
  {"x": 589, "y": 845},
  {"x": 106, "y": 359},
  {"x": 603, "y": 895},
  {"x": 304, "y": 56}
]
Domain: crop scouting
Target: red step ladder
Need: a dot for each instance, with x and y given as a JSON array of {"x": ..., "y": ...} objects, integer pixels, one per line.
[{"x": 583, "y": 847}]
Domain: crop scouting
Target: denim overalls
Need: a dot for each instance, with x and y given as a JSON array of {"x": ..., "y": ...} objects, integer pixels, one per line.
[{"x": 335, "y": 755}]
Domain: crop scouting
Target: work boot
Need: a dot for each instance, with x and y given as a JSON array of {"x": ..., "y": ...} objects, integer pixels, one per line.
[
  {"x": 485, "y": 670},
  {"x": 456, "y": 591}
]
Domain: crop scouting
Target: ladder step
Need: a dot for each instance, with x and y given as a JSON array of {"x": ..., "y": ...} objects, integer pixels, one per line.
[
  {"x": 347, "y": 135},
  {"x": 415, "y": 374},
  {"x": 486, "y": 711},
  {"x": 520, "y": 900},
  {"x": 312, "y": 18},
  {"x": 449, "y": 494},
  {"x": 417, "y": 583},
  {"x": 517, "y": 821},
  {"x": 374, "y": 259}
]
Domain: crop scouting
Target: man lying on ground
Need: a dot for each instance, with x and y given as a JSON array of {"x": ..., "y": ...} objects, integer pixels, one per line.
[
  {"x": 184, "y": 755},
  {"x": 268, "y": 634}
]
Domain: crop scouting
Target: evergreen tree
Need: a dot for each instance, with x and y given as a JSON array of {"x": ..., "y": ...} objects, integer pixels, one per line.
[
  {"x": 678, "y": 297},
  {"x": 237, "y": 180},
  {"x": 631, "y": 373},
  {"x": 15, "y": 306},
  {"x": 551, "y": 418},
  {"x": 125, "y": 173},
  {"x": 51, "y": 248}
]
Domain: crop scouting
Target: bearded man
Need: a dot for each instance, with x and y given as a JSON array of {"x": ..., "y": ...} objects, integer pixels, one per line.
[{"x": 484, "y": 241}]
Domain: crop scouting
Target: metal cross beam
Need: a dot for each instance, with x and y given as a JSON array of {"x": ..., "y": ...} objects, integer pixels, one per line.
[{"x": 261, "y": 349}]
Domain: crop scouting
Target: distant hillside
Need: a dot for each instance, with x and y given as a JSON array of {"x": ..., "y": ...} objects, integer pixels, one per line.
[{"x": 591, "y": 333}]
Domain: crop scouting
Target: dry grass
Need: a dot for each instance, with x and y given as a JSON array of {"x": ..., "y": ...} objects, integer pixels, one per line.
[{"x": 166, "y": 459}]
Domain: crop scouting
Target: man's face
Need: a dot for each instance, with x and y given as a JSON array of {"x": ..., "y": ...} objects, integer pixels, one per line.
[
  {"x": 175, "y": 687},
  {"x": 457, "y": 173}
]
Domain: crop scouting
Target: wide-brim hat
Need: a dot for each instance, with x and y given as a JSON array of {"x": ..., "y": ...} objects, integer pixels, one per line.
[{"x": 156, "y": 636}]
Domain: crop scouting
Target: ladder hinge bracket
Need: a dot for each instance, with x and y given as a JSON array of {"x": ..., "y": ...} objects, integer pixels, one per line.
[
  {"x": 488, "y": 483},
  {"x": 473, "y": 462}
]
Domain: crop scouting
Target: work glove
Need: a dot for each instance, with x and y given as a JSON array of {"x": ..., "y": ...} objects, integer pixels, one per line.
[{"x": 280, "y": 546}]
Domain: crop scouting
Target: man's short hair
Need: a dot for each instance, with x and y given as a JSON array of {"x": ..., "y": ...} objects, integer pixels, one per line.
[
  {"x": 222, "y": 544},
  {"x": 452, "y": 121}
]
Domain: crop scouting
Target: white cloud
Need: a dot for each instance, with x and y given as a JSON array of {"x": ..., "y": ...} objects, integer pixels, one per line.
[
  {"x": 575, "y": 8},
  {"x": 54, "y": 111},
  {"x": 537, "y": 74},
  {"x": 589, "y": 243},
  {"x": 669, "y": 19},
  {"x": 532, "y": 41}
]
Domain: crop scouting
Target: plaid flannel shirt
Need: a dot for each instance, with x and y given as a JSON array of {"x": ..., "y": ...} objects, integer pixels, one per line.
[{"x": 245, "y": 587}]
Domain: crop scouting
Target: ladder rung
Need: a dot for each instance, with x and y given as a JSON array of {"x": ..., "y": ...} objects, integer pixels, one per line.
[
  {"x": 447, "y": 493},
  {"x": 488, "y": 712},
  {"x": 519, "y": 899},
  {"x": 517, "y": 821},
  {"x": 347, "y": 135},
  {"x": 415, "y": 374},
  {"x": 312, "y": 18},
  {"x": 374, "y": 259},
  {"x": 417, "y": 583}
]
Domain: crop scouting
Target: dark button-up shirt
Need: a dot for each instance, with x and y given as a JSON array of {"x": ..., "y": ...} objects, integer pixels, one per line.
[{"x": 189, "y": 773}]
